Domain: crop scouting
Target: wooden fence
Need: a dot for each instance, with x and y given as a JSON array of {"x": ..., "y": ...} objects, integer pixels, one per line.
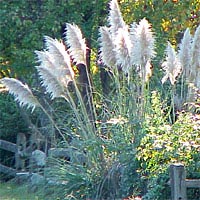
[
  {"x": 8, "y": 146},
  {"x": 179, "y": 183}
]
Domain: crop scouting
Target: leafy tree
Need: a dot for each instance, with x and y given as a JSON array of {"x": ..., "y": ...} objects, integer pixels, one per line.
[
  {"x": 24, "y": 23},
  {"x": 169, "y": 18}
]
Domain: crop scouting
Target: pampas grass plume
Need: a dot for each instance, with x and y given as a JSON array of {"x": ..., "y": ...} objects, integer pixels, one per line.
[
  {"x": 123, "y": 49},
  {"x": 76, "y": 43},
  {"x": 52, "y": 84},
  {"x": 195, "y": 71},
  {"x": 184, "y": 53},
  {"x": 115, "y": 18},
  {"x": 45, "y": 58},
  {"x": 59, "y": 68},
  {"x": 107, "y": 48},
  {"x": 21, "y": 93},
  {"x": 196, "y": 48},
  {"x": 55, "y": 68},
  {"x": 143, "y": 41},
  {"x": 58, "y": 51},
  {"x": 171, "y": 66}
]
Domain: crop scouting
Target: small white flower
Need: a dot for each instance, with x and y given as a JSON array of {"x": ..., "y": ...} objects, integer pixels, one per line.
[
  {"x": 171, "y": 66},
  {"x": 21, "y": 93}
]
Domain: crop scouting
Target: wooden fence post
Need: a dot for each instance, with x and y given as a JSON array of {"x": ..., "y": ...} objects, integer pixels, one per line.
[{"x": 177, "y": 182}]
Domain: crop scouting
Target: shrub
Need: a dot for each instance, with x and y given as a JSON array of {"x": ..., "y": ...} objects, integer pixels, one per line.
[{"x": 164, "y": 144}]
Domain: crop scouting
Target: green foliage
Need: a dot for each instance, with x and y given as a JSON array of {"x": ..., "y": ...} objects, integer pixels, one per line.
[
  {"x": 8, "y": 116},
  {"x": 167, "y": 17},
  {"x": 11, "y": 191},
  {"x": 165, "y": 143},
  {"x": 22, "y": 22}
]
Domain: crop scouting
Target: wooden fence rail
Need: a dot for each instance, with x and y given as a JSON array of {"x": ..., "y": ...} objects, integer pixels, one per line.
[
  {"x": 179, "y": 183},
  {"x": 9, "y": 146},
  {"x": 7, "y": 170}
]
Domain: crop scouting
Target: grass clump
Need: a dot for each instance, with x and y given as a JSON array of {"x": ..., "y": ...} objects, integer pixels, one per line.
[{"x": 127, "y": 143}]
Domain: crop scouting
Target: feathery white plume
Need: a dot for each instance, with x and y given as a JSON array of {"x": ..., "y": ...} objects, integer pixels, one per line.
[
  {"x": 51, "y": 82},
  {"x": 21, "y": 92},
  {"x": 115, "y": 18},
  {"x": 58, "y": 68},
  {"x": 76, "y": 43},
  {"x": 55, "y": 67},
  {"x": 46, "y": 59},
  {"x": 107, "y": 48},
  {"x": 57, "y": 50},
  {"x": 123, "y": 49},
  {"x": 184, "y": 53},
  {"x": 143, "y": 41},
  {"x": 171, "y": 66},
  {"x": 196, "y": 47},
  {"x": 195, "y": 71}
]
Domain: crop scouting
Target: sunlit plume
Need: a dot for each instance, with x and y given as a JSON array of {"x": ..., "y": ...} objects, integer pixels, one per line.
[
  {"x": 115, "y": 18},
  {"x": 107, "y": 48},
  {"x": 184, "y": 53},
  {"x": 171, "y": 65},
  {"x": 58, "y": 51},
  {"x": 53, "y": 84},
  {"x": 60, "y": 68},
  {"x": 76, "y": 43},
  {"x": 123, "y": 49},
  {"x": 55, "y": 67},
  {"x": 45, "y": 58},
  {"x": 21, "y": 92},
  {"x": 195, "y": 71},
  {"x": 143, "y": 41}
]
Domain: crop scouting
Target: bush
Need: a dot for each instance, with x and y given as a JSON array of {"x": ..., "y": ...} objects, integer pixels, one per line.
[{"x": 164, "y": 144}]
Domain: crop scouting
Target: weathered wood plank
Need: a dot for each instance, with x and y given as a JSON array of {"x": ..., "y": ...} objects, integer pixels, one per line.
[
  {"x": 9, "y": 146},
  {"x": 192, "y": 183},
  {"x": 7, "y": 170},
  {"x": 177, "y": 180}
]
